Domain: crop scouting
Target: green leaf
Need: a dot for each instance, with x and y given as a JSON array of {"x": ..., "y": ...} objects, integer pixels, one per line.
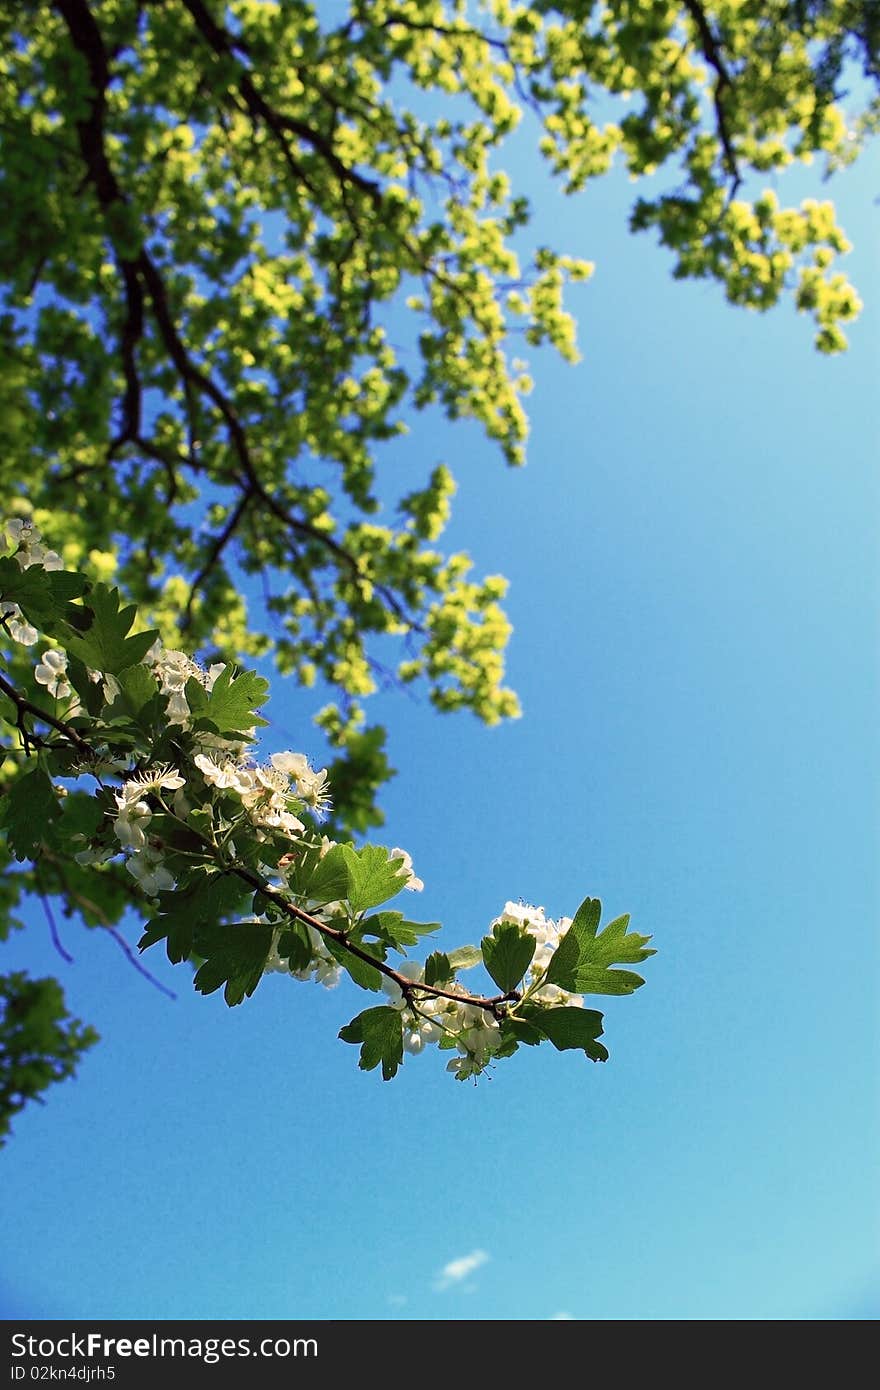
[
  {"x": 190, "y": 913},
  {"x": 517, "y": 1028},
  {"x": 329, "y": 879},
  {"x": 393, "y": 928},
  {"x": 465, "y": 957},
  {"x": 90, "y": 692},
  {"x": 363, "y": 974},
  {"x": 582, "y": 960},
  {"x": 373, "y": 879},
  {"x": 139, "y": 698},
  {"x": 569, "y": 1029},
  {"x": 235, "y": 956},
  {"x": 44, "y": 596},
  {"x": 105, "y": 646},
  {"x": 27, "y": 811},
  {"x": 229, "y": 707},
  {"x": 438, "y": 969},
  {"x": 82, "y": 816},
  {"x": 380, "y": 1033},
  {"x": 294, "y": 946},
  {"x": 507, "y": 954}
]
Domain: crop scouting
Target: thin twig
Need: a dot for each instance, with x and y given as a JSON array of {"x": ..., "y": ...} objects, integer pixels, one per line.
[
  {"x": 53, "y": 930},
  {"x": 138, "y": 965}
]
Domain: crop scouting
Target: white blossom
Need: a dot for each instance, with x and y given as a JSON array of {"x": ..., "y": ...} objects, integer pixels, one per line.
[
  {"x": 150, "y": 872},
  {"x": 311, "y": 787},
  {"x": 22, "y": 533},
  {"x": 293, "y": 765},
  {"x": 323, "y": 967},
  {"x": 51, "y": 672},
  {"x": 131, "y": 822},
  {"x": 412, "y": 882},
  {"x": 228, "y": 776},
  {"x": 153, "y": 779},
  {"x": 19, "y": 629}
]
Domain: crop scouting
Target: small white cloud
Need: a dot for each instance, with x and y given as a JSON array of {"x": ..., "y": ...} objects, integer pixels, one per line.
[
  {"x": 457, "y": 1270},
  {"x": 560, "y": 1317},
  {"x": 397, "y": 1300}
]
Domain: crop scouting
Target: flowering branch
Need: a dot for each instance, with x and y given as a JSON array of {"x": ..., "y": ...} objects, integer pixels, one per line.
[{"x": 202, "y": 826}]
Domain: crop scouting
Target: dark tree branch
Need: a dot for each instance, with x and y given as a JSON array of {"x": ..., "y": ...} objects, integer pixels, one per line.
[
  {"x": 215, "y": 552},
  {"x": 87, "y": 39},
  {"x": 711, "y": 49},
  {"x": 223, "y": 44},
  {"x": 26, "y": 707}
]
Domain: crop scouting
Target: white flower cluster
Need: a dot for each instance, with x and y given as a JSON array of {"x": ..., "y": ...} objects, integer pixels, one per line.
[
  {"x": 323, "y": 968},
  {"x": 24, "y": 540},
  {"x": 548, "y": 935},
  {"x": 265, "y": 791},
  {"x": 475, "y": 1032},
  {"x": 144, "y": 862},
  {"x": 172, "y": 670}
]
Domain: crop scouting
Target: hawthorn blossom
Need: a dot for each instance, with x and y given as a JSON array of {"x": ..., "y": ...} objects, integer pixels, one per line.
[
  {"x": 548, "y": 935},
  {"x": 323, "y": 967},
  {"x": 311, "y": 787},
  {"x": 412, "y": 882},
  {"x": 149, "y": 871},
  {"x": 21, "y": 532},
  {"x": 51, "y": 672},
  {"x": 19, "y": 629},
  {"x": 131, "y": 821},
  {"x": 227, "y": 776},
  {"x": 163, "y": 777},
  {"x": 273, "y": 818}
]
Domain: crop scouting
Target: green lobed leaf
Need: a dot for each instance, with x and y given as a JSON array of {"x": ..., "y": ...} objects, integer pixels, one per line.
[
  {"x": 325, "y": 880},
  {"x": 106, "y": 646},
  {"x": 235, "y": 956},
  {"x": 583, "y": 959},
  {"x": 394, "y": 929},
  {"x": 438, "y": 969},
  {"x": 191, "y": 912},
  {"x": 294, "y": 945},
  {"x": 139, "y": 699},
  {"x": 507, "y": 954},
  {"x": 90, "y": 692},
  {"x": 516, "y": 1028},
  {"x": 363, "y": 974},
  {"x": 44, "y": 596},
  {"x": 82, "y": 816},
  {"x": 27, "y": 811},
  {"x": 230, "y": 706},
  {"x": 568, "y": 1028},
  {"x": 373, "y": 878},
  {"x": 380, "y": 1033}
]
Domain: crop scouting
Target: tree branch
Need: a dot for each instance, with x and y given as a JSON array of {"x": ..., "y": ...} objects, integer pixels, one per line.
[
  {"x": 220, "y": 543},
  {"x": 53, "y": 930},
  {"x": 408, "y": 988},
  {"x": 145, "y": 274},
  {"x": 711, "y": 50},
  {"x": 25, "y": 707}
]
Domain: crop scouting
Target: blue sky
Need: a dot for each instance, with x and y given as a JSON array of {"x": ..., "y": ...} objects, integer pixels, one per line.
[{"x": 693, "y": 552}]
